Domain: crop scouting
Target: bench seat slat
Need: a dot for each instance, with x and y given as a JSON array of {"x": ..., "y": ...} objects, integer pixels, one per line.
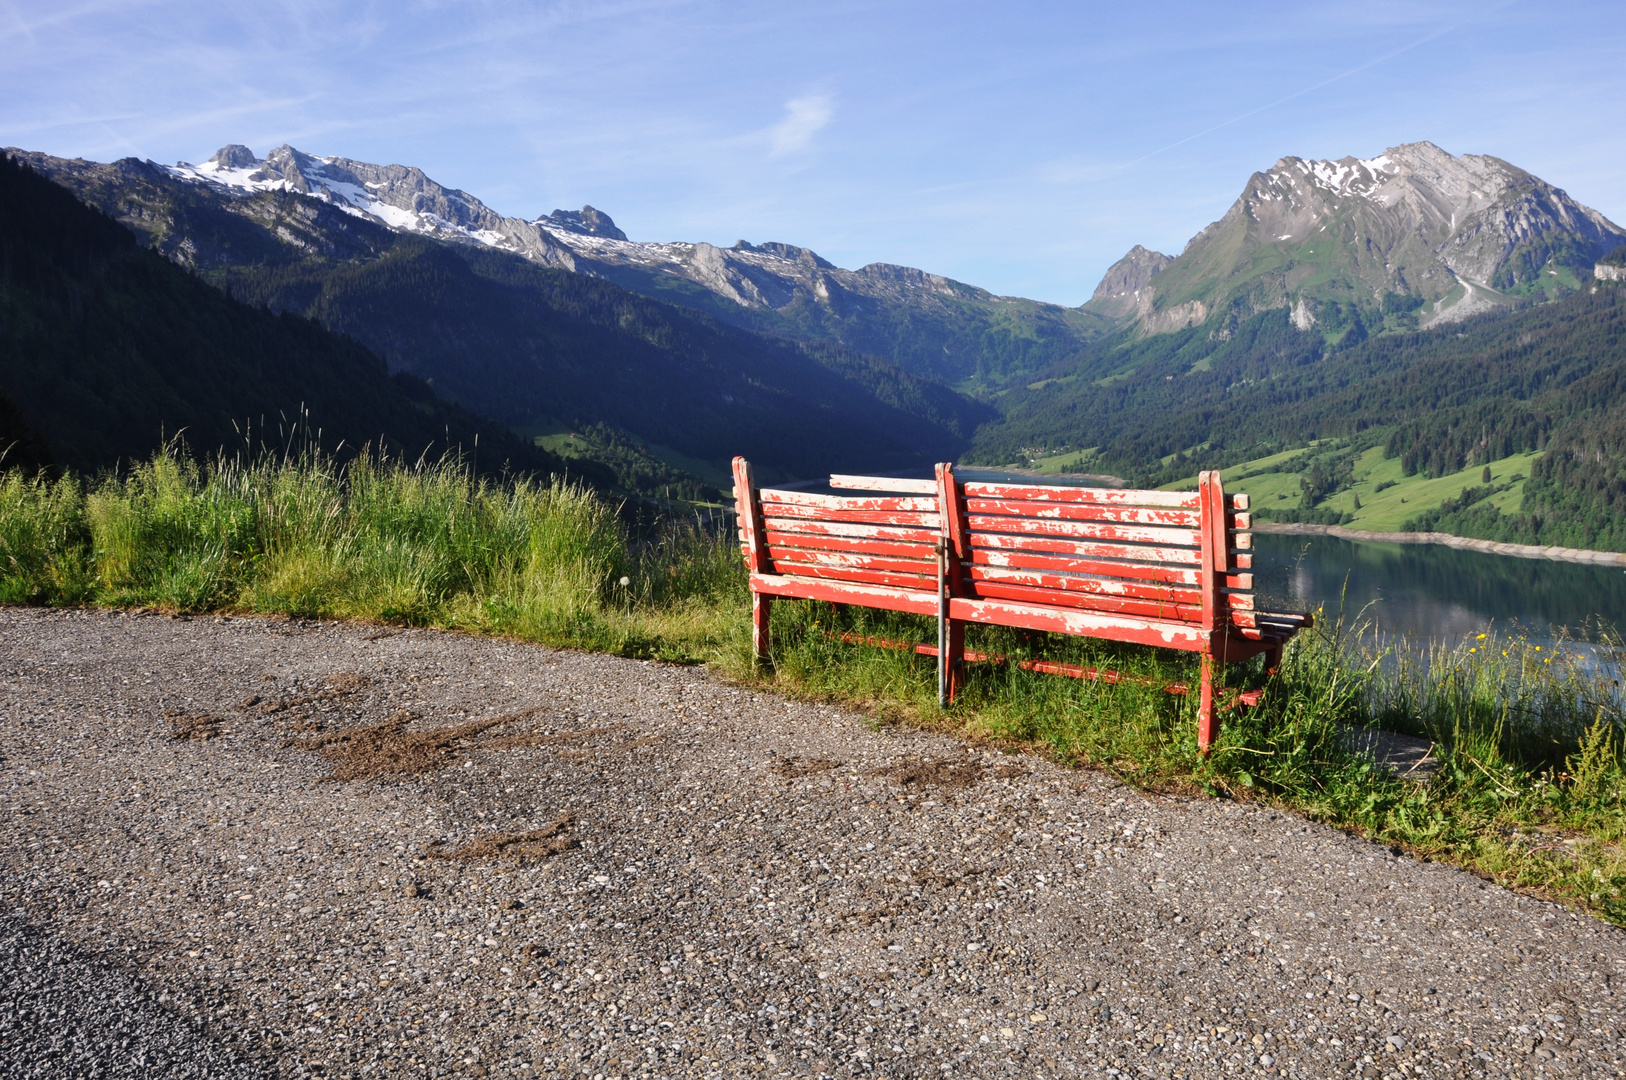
[
  {"x": 783, "y": 511},
  {"x": 1086, "y": 601},
  {"x": 841, "y": 592},
  {"x": 1168, "y": 634},
  {"x": 1184, "y": 500},
  {"x": 1093, "y": 530},
  {"x": 1128, "y": 515},
  {"x": 1059, "y": 545},
  {"x": 846, "y": 502}
]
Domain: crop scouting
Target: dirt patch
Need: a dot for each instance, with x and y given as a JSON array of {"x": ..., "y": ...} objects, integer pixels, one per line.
[
  {"x": 550, "y": 839},
  {"x": 338, "y": 685},
  {"x": 514, "y": 742},
  {"x": 943, "y": 772},
  {"x": 389, "y": 749},
  {"x": 184, "y": 725},
  {"x": 792, "y": 767}
]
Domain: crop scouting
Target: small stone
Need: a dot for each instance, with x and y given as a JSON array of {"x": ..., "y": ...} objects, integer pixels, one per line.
[
  {"x": 1267, "y": 1060},
  {"x": 1037, "y": 1018}
]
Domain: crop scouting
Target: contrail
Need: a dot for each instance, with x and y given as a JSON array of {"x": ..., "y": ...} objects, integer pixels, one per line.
[{"x": 1307, "y": 90}]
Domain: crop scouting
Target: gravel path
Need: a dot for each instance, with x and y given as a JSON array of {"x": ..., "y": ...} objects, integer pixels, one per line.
[{"x": 644, "y": 872}]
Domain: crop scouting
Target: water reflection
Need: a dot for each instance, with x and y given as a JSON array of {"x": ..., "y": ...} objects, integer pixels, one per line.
[{"x": 1430, "y": 592}]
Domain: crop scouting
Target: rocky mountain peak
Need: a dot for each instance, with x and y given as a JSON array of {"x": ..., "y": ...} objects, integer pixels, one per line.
[
  {"x": 787, "y": 251},
  {"x": 1120, "y": 288},
  {"x": 585, "y": 222},
  {"x": 1456, "y": 234},
  {"x": 235, "y": 156}
]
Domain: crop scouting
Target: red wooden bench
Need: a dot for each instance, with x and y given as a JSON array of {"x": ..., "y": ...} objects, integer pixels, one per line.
[{"x": 1163, "y": 568}]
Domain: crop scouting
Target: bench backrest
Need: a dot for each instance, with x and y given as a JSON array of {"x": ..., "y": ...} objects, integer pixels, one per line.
[
  {"x": 869, "y": 539},
  {"x": 1142, "y": 554},
  {"x": 1145, "y": 554}
]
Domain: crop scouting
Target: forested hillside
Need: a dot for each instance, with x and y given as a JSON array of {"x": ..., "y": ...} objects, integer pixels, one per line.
[
  {"x": 107, "y": 349},
  {"x": 1549, "y": 378},
  {"x": 538, "y": 348}
]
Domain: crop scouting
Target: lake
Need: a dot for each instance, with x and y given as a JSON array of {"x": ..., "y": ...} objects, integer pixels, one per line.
[{"x": 1429, "y": 591}]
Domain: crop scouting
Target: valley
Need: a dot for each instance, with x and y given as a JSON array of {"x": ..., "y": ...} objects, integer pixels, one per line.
[{"x": 1398, "y": 322}]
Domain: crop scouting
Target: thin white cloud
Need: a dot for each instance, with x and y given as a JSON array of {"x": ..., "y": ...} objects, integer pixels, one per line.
[{"x": 804, "y": 116}]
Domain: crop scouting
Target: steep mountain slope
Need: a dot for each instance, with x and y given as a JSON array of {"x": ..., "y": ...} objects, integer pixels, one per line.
[
  {"x": 1550, "y": 378},
  {"x": 1412, "y": 237},
  {"x": 535, "y": 346},
  {"x": 106, "y": 349},
  {"x": 929, "y": 325}
]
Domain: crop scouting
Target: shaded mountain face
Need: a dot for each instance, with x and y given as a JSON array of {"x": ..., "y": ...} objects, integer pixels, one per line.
[
  {"x": 1413, "y": 237},
  {"x": 107, "y": 350},
  {"x": 522, "y": 340},
  {"x": 927, "y": 324}
]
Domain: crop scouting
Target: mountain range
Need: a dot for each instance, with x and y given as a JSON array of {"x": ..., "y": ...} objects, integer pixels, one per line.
[
  {"x": 1325, "y": 279},
  {"x": 930, "y": 325},
  {"x": 492, "y": 326}
]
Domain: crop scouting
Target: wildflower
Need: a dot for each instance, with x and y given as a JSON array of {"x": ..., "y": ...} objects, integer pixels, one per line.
[
  {"x": 1481, "y": 637},
  {"x": 1473, "y": 650}
]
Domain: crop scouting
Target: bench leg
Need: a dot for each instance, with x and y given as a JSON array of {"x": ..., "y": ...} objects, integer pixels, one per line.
[
  {"x": 954, "y": 657},
  {"x": 759, "y": 624},
  {"x": 1273, "y": 660},
  {"x": 1206, "y": 726}
]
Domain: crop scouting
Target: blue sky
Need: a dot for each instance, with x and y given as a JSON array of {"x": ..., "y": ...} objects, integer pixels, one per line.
[{"x": 1020, "y": 147}]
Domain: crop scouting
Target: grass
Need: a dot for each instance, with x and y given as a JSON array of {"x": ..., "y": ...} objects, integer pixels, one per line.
[
  {"x": 1531, "y": 790},
  {"x": 1400, "y": 498}
]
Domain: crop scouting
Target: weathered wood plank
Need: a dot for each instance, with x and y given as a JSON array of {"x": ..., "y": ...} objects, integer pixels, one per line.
[
  {"x": 1094, "y": 530},
  {"x": 908, "y": 550},
  {"x": 867, "y": 577},
  {"x": 836, "y": 592},
  {"x": 848, "y": 502},
  {"x": 1186, "y": 500},
  {"x": 783, "y": 556},
  {"x": 1078, "y": 564},
  {"x": 782, "y": 511},
  {"x": 847, "y": 528},
  {"x": 1074, "y": 583},
  {"x": 1167, "y": 634},
  {"x": 883, "y": 483},
  {"x": 1063, "y": 546},
  {"x": 1084, "y": 601},
  {"x": 1129, "y": 515}
]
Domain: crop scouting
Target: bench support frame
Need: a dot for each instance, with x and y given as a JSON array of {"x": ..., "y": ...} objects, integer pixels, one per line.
[{"x": 1211, "y": 636}]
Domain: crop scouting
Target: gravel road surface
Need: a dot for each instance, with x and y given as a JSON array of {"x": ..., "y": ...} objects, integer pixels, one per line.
[{"x": 243, "y": 847}]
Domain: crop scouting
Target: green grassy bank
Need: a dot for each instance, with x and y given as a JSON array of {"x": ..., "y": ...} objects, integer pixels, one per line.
[{"x": 1531, "y": 790}]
